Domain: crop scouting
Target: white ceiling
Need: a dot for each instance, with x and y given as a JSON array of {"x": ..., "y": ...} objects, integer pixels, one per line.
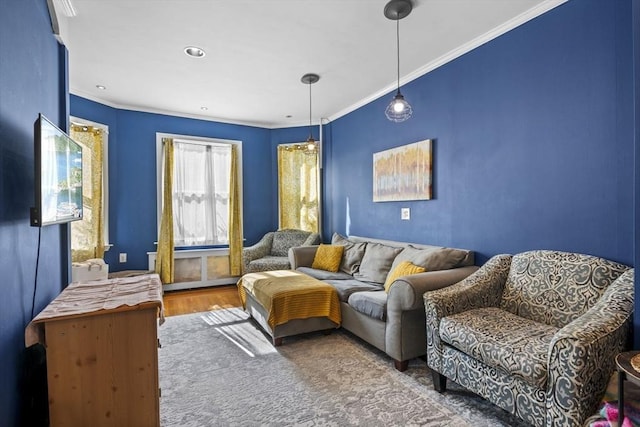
[{"x": 257, "y": 51}]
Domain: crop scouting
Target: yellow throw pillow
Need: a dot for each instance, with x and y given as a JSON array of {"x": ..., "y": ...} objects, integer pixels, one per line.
[
  {"x": 405, "y": 268},
  {"x": 328, "y": 257}
]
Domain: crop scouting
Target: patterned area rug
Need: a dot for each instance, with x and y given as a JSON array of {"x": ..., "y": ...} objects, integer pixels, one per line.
[{"x": 218, "y": 369}]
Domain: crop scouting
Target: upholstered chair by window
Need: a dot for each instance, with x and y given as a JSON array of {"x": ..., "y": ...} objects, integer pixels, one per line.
[{"x": 271, "y": 252}]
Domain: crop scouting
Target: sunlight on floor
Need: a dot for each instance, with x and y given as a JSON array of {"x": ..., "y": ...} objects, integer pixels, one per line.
[{"x": 234, "y": 325}]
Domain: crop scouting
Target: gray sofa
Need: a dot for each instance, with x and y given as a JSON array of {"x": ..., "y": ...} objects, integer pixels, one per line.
[{"x": 394, "y": 322}]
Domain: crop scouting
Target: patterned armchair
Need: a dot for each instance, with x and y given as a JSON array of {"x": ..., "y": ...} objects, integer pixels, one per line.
[
  {"x": 272, "y": 251},
  {"x": 536, "y": 333}
]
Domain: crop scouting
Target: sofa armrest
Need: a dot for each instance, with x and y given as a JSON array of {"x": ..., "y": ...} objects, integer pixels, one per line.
[
  {"x": 582, "y": 354},
  {"x": 313, "y": 239},
  {"x": 407, "y": 291},
  {"x": 302, "y": 256},
  {"x": 482, "y": 289},
  {"x": 261, "y": 249}
]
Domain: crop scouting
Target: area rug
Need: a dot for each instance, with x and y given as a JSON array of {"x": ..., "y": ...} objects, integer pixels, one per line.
[{"x": 218, "y": 369}]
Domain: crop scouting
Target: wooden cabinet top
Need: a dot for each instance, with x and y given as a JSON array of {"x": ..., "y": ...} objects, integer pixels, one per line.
[{"x": 100, "y": 296}]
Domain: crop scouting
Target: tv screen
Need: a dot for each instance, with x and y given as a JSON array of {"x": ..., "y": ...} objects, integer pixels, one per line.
[{"x": 58, "y": 176}]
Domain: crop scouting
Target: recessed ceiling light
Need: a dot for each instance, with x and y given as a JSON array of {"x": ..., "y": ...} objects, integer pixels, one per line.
[
  {"x": 101, "y": 87},
  {"x": 204, "y": 108},
  {"x": 193, "y": 51},
  {"x": 288, "y": 116}
]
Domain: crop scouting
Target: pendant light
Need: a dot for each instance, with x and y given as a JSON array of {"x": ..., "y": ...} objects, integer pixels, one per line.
[
  {"x": 310, "y": 79},
  {"x": 398, "y": 110}
]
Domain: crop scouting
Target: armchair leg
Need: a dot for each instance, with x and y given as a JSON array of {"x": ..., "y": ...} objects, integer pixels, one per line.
[
  {"x": 401, "y": 366},
  {"x": 439, "y": 381}
]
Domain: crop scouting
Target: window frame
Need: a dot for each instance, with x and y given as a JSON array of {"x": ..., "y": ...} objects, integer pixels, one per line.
[
  {"x": 318, "y": 179},
  {"x": 105, "y": 173},
  {"x": 194, "y": 140}
]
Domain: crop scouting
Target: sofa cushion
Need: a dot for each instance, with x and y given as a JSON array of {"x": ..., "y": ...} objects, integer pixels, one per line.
[
  {"x": 268, "y": 263},
  {"x": 372, "y": 304},
  {"x": 376, "y": 262},
  {"x": 405, "y": 268},
  {"x": 347, "y": 287},
  {"x": 328, "y": 257},
  {"x": 432, "y": 259},
  {"x": 353, "y": 253},
  {"x": 324, "y": 274},
  {"x": 285, "y": 239},
  {"x": 502, "y": 340}
]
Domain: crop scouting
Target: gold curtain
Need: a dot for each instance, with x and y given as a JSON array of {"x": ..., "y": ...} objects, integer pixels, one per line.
[
  {"x": 87, "y": 235},
  {"x": 235, "y": 217},
  {"x": 164, "y": 258},
  {"x": 298, "y": 187}
]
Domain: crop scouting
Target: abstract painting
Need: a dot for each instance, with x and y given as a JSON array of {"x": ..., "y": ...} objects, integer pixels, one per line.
[{"x": 403, "y": 173}]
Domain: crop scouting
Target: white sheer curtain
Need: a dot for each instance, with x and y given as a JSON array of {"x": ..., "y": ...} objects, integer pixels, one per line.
[{"x": 201, "y": 193}]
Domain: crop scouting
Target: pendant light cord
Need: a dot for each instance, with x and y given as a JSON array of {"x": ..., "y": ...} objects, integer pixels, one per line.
[
  {"x": 310, "y": 134},
  {"x": 398, "y": 48}
]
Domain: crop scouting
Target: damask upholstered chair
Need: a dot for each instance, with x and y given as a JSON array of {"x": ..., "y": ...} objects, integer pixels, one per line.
[
  {"x": 272, "y": 251},
  {"x": 535, "y": 333}
]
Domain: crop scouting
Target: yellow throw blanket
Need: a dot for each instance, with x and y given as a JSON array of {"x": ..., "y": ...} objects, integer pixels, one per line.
[{"x": 288, "y": 295}]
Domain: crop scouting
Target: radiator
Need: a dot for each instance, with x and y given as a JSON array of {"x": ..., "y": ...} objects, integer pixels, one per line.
[{"x": 197, "y": 268}]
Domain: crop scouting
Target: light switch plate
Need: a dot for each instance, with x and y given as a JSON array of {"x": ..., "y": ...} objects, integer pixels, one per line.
[{"x": 405, "y": 214}]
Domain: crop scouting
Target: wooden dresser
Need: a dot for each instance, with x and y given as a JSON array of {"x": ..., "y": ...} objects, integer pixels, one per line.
[{"x": 101, "y": 343}]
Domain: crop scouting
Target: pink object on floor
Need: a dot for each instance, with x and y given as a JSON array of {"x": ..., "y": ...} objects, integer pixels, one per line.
[{"x": 610, "y": 412}]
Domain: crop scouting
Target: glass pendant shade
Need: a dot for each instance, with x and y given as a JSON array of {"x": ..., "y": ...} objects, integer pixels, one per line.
[
  {"x": 310, "y": 79},
  {"x": 398, "y": 109}
]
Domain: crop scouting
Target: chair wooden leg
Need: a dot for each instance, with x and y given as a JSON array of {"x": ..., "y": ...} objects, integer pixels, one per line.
[
  {"x": 439, "y": 381},
  {"x": 401, "y": 366}
]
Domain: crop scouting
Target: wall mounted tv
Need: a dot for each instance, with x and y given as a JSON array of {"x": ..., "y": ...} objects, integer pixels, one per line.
[{"x": 58, "y": 176}]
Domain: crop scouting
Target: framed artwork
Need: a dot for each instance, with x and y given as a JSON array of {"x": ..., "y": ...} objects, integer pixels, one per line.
[{"x": 403, "y": 173}]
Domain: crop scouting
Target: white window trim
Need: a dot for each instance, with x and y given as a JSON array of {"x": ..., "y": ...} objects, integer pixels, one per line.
[
  {"x": 193, "y": 139},
  {"x": 105, "y": 174}
]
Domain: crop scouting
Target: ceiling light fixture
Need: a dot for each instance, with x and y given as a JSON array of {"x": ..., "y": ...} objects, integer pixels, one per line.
[
  {"x": 101, "y": 87},
  {"x": 310, "y": 79},
  {"x": 398, "y": 110},
  {"x": 203, "y": 108},
  {"x": 194, "y": 51}
]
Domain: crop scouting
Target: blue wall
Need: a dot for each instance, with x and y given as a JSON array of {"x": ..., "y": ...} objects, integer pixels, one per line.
[
  {"x": 32, "y": 81},
  {"x": 534, "y": 148},
  {"x": 636, "y": 97},
  {"x": 132, "y": 175},
  {"x": 533, "y": 143}
]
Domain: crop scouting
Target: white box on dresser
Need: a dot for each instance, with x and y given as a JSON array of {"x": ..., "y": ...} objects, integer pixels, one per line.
[{"x": 92, "y": 269}]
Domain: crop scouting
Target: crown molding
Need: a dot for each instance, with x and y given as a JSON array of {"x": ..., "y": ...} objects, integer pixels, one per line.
[{"x": 494, "y": 33}]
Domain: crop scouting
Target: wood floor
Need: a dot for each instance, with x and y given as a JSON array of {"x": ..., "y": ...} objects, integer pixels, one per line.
[{"x": 198, "y": 300}]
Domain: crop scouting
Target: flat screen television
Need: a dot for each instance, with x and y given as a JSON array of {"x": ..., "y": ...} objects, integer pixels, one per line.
[{"x": 58, "y": 176}]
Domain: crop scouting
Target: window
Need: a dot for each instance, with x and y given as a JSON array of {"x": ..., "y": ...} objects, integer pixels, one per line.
[
  {"x": 298, "y": 200},
  {"x": 89, "y": 237},
  {"x": 201, "y": 179}
]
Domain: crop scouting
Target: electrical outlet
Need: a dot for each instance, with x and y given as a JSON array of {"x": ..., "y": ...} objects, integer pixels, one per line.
[
  {"x": 405, "y": 214},
  {"x": 123, "y": 257}
]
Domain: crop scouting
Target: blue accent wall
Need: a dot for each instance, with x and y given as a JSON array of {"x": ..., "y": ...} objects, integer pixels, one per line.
[
  {"x": 533, "y": 143},
  {"x": 132, "y": 175},
  {"x": 636, "y": 96},
  {"x": 536, "y": 136},
  {"x": 33, "y": 79}
]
